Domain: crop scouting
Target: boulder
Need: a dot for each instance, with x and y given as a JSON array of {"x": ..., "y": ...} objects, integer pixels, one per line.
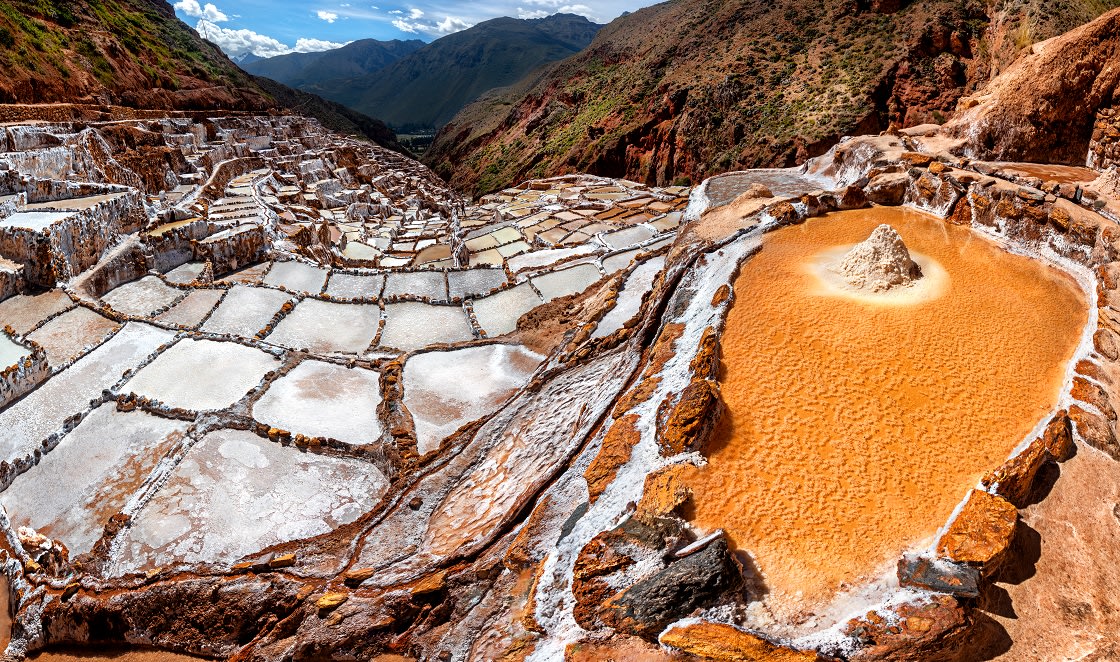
[
  {"x": 917, "y": 632},
  {"x": 888, "y": 188},
  {"x": 981, "y": 532},
  {"x": 939, "y": 575},
  {"x": 719, "y": 641}
]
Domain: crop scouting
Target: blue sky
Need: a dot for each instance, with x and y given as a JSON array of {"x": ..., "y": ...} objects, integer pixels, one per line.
[{"x": 275, "y": 27}]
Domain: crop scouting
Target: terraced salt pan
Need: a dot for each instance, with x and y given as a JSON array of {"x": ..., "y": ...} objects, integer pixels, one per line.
[
  {"x": 24, "y": 312},
  {"x": 498, "y": 313},
  {"x": 74, "y": 490},
  {"x": 320, "y": 399},
  {"x": 893, "y": 411},
  {"x": 629, "y": 300},
  {"x": 193, "y": 309},
  {"x": 358, "y": 251},
  {"x": 202, "y": 375},
  {"x": 43, "y": 411},
  {"x": 427, "y": 284},
  {"x": 11, "y": 352},
  {"x": 36, "y": 221},
  {"x": 563, "y": 282},
  {"x": 412, "y": 325},
  {"x": 297, "y": 276},
  {"x": 355, "y": 286},
  {"x": 246, "y": 310},
  {"x": 141, "y": 298},
  {"x": 248, "y": 276},
  {"x": 547, "y": 257},
  {"x": 235, "y": 493},
  {"x": 473, "y": 282},
  {"x": 65, "y": 337},
  {"x": 185, "y": 273},
  {"x": 325, "y": 327},
  {"x": 445, "y": 390},
  {"x": 619, "y": 261},
  {"x": 627, "y": 237}
]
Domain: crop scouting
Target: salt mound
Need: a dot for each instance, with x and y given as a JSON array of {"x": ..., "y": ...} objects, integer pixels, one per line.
[{"x": 881, "y": 263}]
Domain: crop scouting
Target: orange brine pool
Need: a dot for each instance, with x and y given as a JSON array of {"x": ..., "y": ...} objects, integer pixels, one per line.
[{"x": 856, "y": 424}]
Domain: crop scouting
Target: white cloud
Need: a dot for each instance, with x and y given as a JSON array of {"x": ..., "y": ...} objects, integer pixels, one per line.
[
  {"x": 237, "y": 42},
  {"x": 415, "y": 13},
  {"x": 305, "y": 45},
  {"x": 451, "y": 24},
  {"x": 208, "y": 11},
  {"x": 405, "y": 26},
  {"x": 328, "y": 16},
  {"x": 535, "y": 13}
]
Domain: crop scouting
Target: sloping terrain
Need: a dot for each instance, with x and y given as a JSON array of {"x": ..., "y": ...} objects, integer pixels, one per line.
[
  {"x": 137, "y": 54},
  {"x": 357, "y": 58},
  {"x": 685, "y": 89},
  {"x": 425, "y": 89}
]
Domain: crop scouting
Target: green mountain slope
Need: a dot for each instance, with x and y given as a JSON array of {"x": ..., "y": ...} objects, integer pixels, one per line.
[
  {"x": 357, "y": 58},
  {"x": 425, "y": 89},
  {"x": 688, "y": 88}
]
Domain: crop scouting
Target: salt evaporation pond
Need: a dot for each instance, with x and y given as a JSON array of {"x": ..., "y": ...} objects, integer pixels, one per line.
[
  {"x": 324, "y": 327},
  {"x": 856, "y": 426},
  {"x": 474, "y": 282},
  {"x": 355, "y": 286},
  {"x": 202, "y": 375},
  {"x": 235, "y": 494},
  {"x": 413, "y": 325},
  {"x": 143, "y": 297},
  {"x": 498, "y": 313},
  {"x": 246, "y": 310},
  {"x": 782, "y": 182},
  {"x": 423, "y": 284},
  {"x": 104, "y": 460},
  {"x": 11, "y": 352},
  {"x": 629, "y": 300},
  {"x": 563, "y": 282},
  {"x": 297, "y": 277},
  {"x": 319, "y": 399},
  {"x": 445, "y": 390}
]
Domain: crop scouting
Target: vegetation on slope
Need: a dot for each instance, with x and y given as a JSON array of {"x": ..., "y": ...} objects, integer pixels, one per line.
[
  {"x": 425, "y": 89},
  {"x": 682, "y": 90}
]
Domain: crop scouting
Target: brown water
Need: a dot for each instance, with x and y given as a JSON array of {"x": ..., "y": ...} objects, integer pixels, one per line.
[
  {"x": 857, "y": 425},
  {"x": 1063, "y": 174}
]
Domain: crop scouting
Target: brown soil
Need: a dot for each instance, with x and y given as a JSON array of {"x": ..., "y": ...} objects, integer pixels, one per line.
[{"x": 855, "y": 426}]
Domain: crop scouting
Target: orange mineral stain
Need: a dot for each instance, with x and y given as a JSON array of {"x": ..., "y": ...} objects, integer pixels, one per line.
[{"x": 855, "y": 426}]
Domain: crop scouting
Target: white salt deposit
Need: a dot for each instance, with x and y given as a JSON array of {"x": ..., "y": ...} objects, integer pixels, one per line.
[
  {"x": 141, "y": 298},
  {"x": 355, "y": 286},
  {"x": 498, "y": 313},
  {"x": 473, "y": 282},
  {"x": 629, "y": 300},
  {"x": 11, "y": 352},
  {"x": 321, "y": 399},
  {"x": 324, "y": 327},
  {"x": 202, "y": 375},
  {"x": 246, "y": 310},
  {"x": 444, "y": 390},
  {"x": 235, "y": 493},
  {"x": 412, "y": 325},
  {"x": 297, "y": 277},
  {"x": 566, "y": 281},
  {"x": 425, "y": 284}
]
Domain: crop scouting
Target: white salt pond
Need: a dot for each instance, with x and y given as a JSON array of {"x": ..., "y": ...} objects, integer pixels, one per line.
[
  {"x": 498, "y": 313},
  {"x": 564, "y": 282},
  {"x": 36, "y": 221},
  {"x": 473, "y": 282},
  {"x": 413, "y": 325},
  {"x": 90, "y": 475},
  {"x": 619, "y": 261},
  {"x": 320, "y": 399},
  {"x": 185, "y": 273},
  {"x": 193, "y": 309},
  {"x": 323, "y": 327},
  {"x": 11, "y": 352},
  {"x": 628, "y": 237},
  {"x": 355, "y": 286},
  {"x": 141, "y": 298},
  {"x": 235, "y": 494},
  {"x": 629, "y": 299},
  {"x": 202, "y": 375},
  {"x": 424, "y": 284},
  {"x": 30, "y": 420},
  {"x": 246, "y": 310},
  {"x": 445, "y": 390},
  {"x": 297, "y": 276}
]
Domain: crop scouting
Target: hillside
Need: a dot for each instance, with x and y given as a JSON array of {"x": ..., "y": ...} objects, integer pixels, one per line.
[
  {"x": 357, "y": 58},
  {"x": 137, "y": 54},
  {"x": 425, "y": 89},
  {"x": 740, "y": 84}
]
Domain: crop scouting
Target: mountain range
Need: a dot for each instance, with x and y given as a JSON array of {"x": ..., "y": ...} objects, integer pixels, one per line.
[
  {"x": 413, "y": 86},
  {"x": 682, "y": 90}
]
